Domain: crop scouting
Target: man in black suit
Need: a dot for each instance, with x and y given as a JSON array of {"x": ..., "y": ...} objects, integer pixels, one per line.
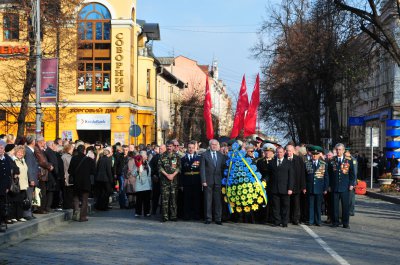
[
  {"x": 281, "y": 181},
  {"x": 212, "y": 165},
  {"x": 190, "y": 182},
  {"x": 299, "y": 183}
]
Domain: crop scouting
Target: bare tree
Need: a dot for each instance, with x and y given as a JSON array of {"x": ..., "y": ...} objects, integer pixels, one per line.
[{"x": 377, "y": 21}]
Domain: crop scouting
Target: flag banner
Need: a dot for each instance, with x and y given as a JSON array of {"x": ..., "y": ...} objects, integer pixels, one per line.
[
  {"x": 251, "y": 116},
  {"x": 49, "y": 80},
  {"x": 241, "y": 107},
  {"x": 207, "y": 113}
]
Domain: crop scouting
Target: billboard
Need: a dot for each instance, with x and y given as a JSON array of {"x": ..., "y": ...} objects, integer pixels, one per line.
[{"x": 49, "y": 80}]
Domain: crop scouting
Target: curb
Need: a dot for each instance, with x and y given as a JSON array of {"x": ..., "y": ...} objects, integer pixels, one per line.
[
  {"x": 34, "y": 227},
  {"x": 383, "y": 197}
]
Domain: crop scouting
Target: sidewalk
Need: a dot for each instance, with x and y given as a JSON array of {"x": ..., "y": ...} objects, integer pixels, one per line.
[
  {"x": 377, "y": 194},
  {"x": 44, "y": 222}
]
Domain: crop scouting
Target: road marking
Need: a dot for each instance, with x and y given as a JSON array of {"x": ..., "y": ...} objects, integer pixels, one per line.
[{"x": 325, "y": 246}]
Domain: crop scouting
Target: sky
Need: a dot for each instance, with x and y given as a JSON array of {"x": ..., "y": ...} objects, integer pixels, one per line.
[{"x": 224, "y": 30}]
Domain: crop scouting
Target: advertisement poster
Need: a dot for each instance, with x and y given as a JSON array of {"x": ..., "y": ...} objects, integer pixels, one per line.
[
  {"x": 93, "y": 122},
  {"x": 66, "y": 135},
  {"x": 49, "y": 80},
  {"x": 119, "y": 137}
]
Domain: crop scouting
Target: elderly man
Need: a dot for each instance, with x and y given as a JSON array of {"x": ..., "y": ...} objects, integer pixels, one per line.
[
  {"x": 299, "y": 184},
  {"x": 45, "y": 166},
  {"x": 33, "y": 171},
  {"x": 341, "y": 181},
  {"x": 212, "y": 165}
]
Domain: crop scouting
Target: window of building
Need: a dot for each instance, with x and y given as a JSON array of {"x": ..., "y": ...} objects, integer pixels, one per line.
[
  {"x": 148, "y": 92},
  {"x": 11, "y": 27},
  {"x": 94, "y": 49}
]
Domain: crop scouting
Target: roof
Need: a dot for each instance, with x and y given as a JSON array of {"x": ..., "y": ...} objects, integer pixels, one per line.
[
  {"x": 166, "y": 60},
  {"x": 152, "y": 30},
  {"x": 170, "y": 77},
  {"x": 204, "y": 68}
]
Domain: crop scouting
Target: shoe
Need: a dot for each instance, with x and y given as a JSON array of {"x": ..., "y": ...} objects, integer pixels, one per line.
[
  {"x": 41, "y": 212},
  {"x": 2, "y": 230},
  {"x": 334, "y": 225},
  {"x": 28, "y": 218},
  {"x": 22, "y": 220},
  {"x": 164, "y": 220},
  {"x": 137, "y": 215},
  {"x": 219, "y": 223},
  {"x": 148, "y": 215},
  {"x": 295, "y": 223},
  {"x": 317, "y": 224},
  {"x": 207, "y": 222},
  {"x": 346, "y": 226},
  {"x": 9, "y": 222},
  {"x": 14, "y": 220},
  {"x": 309, "y": 224},
  {"x": 284, "y": 225},
  {"x": 174, "y": 219},
  {"x": 83, "y": 220},
  {"x": 109, "y": 207}
]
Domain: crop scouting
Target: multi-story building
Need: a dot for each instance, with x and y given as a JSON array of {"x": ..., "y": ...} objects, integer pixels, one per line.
[{"x": 106, "y": 79}]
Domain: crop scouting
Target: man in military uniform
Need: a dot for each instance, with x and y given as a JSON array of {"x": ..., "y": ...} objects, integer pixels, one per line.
[
  {"x": 341, "y": 181},
  {"x": 169, "y": 166},
  {"x": 352, "y": 194},
  {"x": 190, "y": 183},
  {"x": 317, "y": 182}
]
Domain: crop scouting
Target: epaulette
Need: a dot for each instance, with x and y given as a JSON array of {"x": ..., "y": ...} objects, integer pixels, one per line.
[{"x": 322, "y": 161}]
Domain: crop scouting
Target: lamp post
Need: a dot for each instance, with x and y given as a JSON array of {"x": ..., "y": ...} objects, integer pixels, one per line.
[{"x": 38, "y": 71}]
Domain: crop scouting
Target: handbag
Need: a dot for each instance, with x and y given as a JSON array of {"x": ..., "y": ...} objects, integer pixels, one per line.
[
  {"x": 26, "y": 203},
  {"x": 15, "y": 189},
  {"x": 43, "y": 174},
  {"x": 36, "y": 197}
]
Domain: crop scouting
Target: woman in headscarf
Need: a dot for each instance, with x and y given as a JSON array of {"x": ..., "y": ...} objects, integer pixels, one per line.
[{"x": 143, "y": 184}]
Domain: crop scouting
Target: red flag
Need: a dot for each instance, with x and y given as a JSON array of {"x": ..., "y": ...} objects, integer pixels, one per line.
[
  {"x": 251, "y": 116},
  {"x": 207, "y": 113},
  {"x": 241, "y": 107}
]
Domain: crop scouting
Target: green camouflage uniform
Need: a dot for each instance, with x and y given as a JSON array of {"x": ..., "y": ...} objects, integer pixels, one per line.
[{"x": 169, "y": 162}]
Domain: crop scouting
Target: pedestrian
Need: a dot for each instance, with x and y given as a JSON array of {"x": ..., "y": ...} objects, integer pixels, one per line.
[
  {"x": 262, "y": 166},
  {"x": 83, "y": 168},
  {"x": 212, "y": 165},
  {"x": 317, "y": 183},
  {"x": 155, "y": 178},
  {"x": 341, "y": 179},
  {"x": 33, "y": 172},
  {"x": 281, "y": 181},
  {"x": 143, "y": 184},
  {"x": 118, "y": 174},
  {"x": 68, "y": 185},
  {"x": 190, "y": 183},
  {"x": 299, "y": 183},
  {"x": 5, "y": 184},
  {"x": 53, "y": 188},
  {"x": 130, "y": 180},
  {"x": 104, "y": 180},
  {"x": 23, "y": 179},
  {"x": 44, "y": 168},
  {"x": 352, "y": 194},
  {"x": 169, "y": 166}
]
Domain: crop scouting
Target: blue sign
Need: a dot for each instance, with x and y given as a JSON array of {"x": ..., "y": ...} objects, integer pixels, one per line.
[
  {"x": 356, "y": 121},
  {"x": 134, "y": 130}
]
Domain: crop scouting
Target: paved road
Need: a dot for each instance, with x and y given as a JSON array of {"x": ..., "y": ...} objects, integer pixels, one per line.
[{"x": 117, "y": 237}]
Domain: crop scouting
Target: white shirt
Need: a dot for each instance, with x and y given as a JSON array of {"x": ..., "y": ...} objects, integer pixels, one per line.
[
  {"x": 32, "y": 149},
  {"x": 279, "y": 161}
]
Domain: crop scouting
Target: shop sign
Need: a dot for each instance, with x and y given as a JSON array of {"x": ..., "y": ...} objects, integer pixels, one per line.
[
  {"x": 13, "y": 50},
  {"x": 119, "y": 57},
  {"x": 93, "y": 122}
]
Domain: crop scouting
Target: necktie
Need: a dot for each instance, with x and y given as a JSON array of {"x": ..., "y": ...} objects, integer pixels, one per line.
[
  {"x": 214, "y": 156},
  {"x": 279, "y": 162},
  {"x": 315, "y": 165}
]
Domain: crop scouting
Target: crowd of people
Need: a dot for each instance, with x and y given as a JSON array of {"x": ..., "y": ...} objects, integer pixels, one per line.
[{"x": 180, "y": 182}]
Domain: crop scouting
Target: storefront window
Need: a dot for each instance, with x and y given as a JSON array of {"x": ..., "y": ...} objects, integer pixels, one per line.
[
  {"x": 11, "y": 27},
  {"x": 94, "y": 49}
]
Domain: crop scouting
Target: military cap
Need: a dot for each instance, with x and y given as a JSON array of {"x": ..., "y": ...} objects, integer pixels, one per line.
[
  {"x": 315, "y": 149},
  {"x": 268, "y": 147}
]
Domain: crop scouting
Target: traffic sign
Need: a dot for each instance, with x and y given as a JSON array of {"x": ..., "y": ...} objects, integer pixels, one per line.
[{"x": 134, "y": 130}]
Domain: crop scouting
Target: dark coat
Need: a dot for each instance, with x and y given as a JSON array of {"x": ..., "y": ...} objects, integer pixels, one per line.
[
  {"x": 190, "y": 171},
  {"x": 210, "y": 173},
  {"x": 118, "y": 163},
  {"x": 33, "y": 166},
  {"x": 5, "y": 175},
  {"x": 299, "y": 183},
  {"x": 340, "y": 179},
  {"x": 52, "y": 184},
  {"x": 73, "y": 165},
  {"x": 82, "y": 180},
  {"x": 104, "y": 170},
  {"x": 316, "y": 183},
  {"x": 281, "y": 178}
]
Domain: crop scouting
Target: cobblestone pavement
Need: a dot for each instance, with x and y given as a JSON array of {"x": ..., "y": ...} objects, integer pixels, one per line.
[{"x": 117, "y": 237}]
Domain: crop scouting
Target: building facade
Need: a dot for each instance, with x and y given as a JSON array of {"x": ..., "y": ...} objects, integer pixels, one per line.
[{"x": 106, "y": 82}]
